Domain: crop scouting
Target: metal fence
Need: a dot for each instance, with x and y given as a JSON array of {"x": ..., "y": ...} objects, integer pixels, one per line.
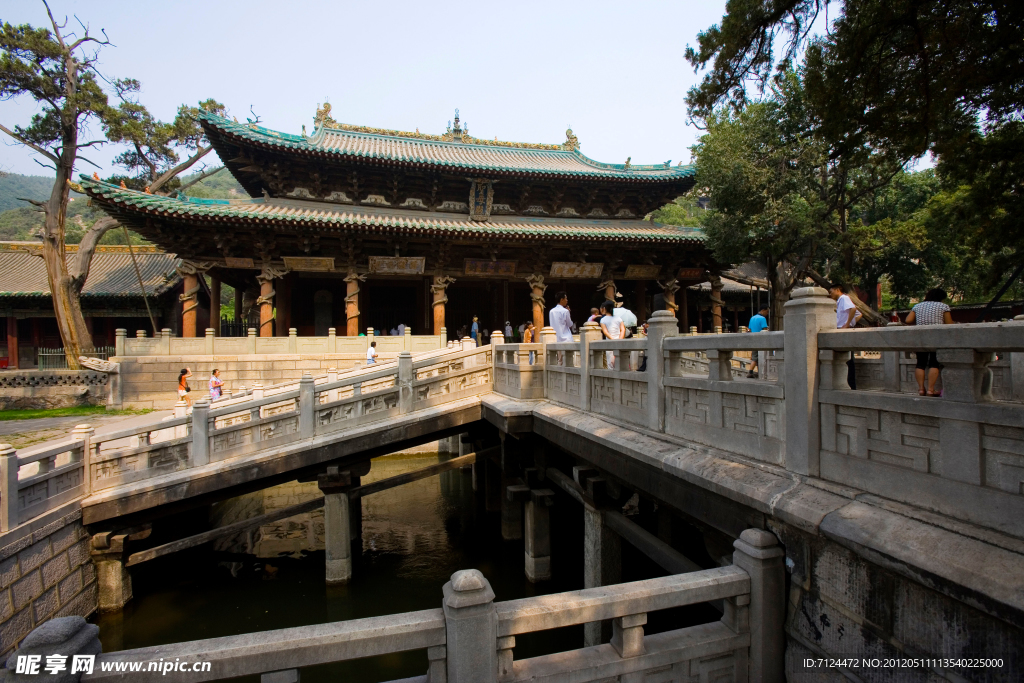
[
  {"x": 236, "y": 327},
  {"x": 56, "y": 359}
]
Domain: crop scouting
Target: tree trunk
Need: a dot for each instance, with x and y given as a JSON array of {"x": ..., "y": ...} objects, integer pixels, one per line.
[{"x": 67, "y": 306}]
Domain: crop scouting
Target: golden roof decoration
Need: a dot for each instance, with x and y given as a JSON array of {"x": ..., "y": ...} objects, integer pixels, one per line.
[{"x": 323, "y": 119}]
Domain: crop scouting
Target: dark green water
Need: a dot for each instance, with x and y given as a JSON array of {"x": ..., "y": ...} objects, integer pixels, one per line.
[{"x": 414, "y": 538}]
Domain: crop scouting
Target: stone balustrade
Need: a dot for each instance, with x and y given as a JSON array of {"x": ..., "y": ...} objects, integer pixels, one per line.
[
  {"x": 164, "y": 344},
  {"x": 257, "y": 419},
  {"x": 960, "y": 455},
  {"x": 471, "y": 638},
  {"x": 43, "y": 478}
]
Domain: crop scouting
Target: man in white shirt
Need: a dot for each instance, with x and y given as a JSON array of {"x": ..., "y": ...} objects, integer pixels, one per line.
[
  {"x": 847, "y": 316},
  {"x": 371, "y": 353},
  {"x": 560, "y": 320}
]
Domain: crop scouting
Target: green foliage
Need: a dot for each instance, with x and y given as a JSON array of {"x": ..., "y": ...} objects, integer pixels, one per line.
[
  {"x": 153, "y": 148},
  {"x": 939, "y": 76},
  {"x": 73, "y": 411},
  {"x": 683, "y": 211},
  {"x": 33, "y": 62}
]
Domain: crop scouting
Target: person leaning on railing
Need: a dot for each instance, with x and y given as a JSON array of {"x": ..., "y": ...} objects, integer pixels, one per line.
[{"x": 931, "y": 311}]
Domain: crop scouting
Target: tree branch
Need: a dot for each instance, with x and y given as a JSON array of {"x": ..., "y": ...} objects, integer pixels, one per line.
[
  {"x": 28, "y": 143},
  {"x": 171, "y": 173},
  {"x": 201, "y": 176},
  {"x": 87, "y": 248},
  {"x": 867, "y": 312}
]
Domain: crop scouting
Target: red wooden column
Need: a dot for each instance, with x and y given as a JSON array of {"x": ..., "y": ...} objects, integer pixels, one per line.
[
  {"x": 438, "y": 289},
  {"x": 266, "y": 301},
  {"x": 537, "y": 287},
  {"x": 12, "y": 342},
  {"x": 190, "y": 272},
  {"x": 352, "y": 303}
]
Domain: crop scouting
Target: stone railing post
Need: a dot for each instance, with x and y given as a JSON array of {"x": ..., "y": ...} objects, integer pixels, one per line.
[
  {"x": 891, "y": 371},
  {"x": 332, "y": 340},
  {"x": 200, "y": 433},
  {"x": 497, "y": 337},
  {"x": 407, "y": 339},
  {"x": 808, "y": 312},
  {"x": 444, "y": 337},
  {"x": 250, "y": 342},
  {"x": 966, "y": 376},
  {"x": 68, "y": 637},
  {"x": 663, "y": 324},
  {"x": 1017, "y": 375},
  {"x": 85, "y": 433},
  {"x": 293, "y": 340},
  {"x": 547, "y": 335},
  {"x": 405, "y": 378},
  {"x": 471, "y": 625},
  {"x": 9, "y": 513},
  {"x": 307, "y": 415},
  {"x": 758, "y": 553},
  {"x": 165, "y": 341},
  {"x": 180, "y": 410},
  {"x": 120, "y": 334},
  {"x": 210, "y": 336},
  {"x": 719, "y": 365},
  {"x": 590, "y": 332}
]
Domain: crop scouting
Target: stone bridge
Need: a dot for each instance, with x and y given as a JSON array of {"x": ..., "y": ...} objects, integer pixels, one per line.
[{"x": 901, "y": 517}]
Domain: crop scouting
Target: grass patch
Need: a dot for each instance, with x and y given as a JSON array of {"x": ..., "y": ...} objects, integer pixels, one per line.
[{"x": 74, "y": 411}]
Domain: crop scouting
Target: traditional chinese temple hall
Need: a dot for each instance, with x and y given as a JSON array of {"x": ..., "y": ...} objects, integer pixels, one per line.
[{"x": 352, "y": 227}]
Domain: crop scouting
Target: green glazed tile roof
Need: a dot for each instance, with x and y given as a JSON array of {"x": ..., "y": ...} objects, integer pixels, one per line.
[
  {"x": 129, "y": 204},
  {"x": 497, "y": 158}
]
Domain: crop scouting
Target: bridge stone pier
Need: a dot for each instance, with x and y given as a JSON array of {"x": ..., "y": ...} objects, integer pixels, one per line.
[{"x": 817, "y": 521}]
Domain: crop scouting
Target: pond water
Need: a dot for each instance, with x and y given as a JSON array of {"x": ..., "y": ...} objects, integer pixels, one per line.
[{"x": 414, "y": 537}]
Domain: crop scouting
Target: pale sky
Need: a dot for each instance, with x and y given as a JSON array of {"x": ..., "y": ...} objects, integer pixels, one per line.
[{"x": 522, "y": 71}]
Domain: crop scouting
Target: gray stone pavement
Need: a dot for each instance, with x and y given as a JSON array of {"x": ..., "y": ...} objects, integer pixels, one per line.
[{"x": 29, "y": 433}]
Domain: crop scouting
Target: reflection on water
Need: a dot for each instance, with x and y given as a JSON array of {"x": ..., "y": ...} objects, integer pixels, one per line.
[{"x": 414, "y": 537}]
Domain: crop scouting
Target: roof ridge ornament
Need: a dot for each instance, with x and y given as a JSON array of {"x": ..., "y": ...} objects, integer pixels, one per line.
[{"x": 572, "y": 143}]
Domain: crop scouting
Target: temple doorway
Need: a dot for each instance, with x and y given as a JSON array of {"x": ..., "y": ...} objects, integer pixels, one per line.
[{"x": 323, "y": 303}]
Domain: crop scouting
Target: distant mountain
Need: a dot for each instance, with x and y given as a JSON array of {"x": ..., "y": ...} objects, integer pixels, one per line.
[
  {"x": 221, "y": 185},
  {"x": 20, "y": 221},
  {"x": 29, "y": 186}
]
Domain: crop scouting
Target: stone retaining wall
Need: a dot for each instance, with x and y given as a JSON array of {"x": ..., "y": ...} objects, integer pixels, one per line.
[
  {"x": 841, "y": 605},
  {"x": 45, "y": 572},
  {"x": 152, "y": 381},
  {"x": 40, "y": 389}
]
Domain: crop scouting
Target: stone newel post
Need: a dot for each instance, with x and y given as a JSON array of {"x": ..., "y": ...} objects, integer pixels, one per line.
[
  {"x": 590, "y": 332},
  {"x": 661, "y": 325},
  {"x": 471, "y": 626},
  {"x": 758, "y": 553},
  {"x": 808, "y": 312}
]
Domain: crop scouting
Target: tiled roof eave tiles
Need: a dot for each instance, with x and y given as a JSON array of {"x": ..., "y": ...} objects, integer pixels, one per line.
[
  {"x": 456, "y": 157},
  {"x": 127, "y": 204}
]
